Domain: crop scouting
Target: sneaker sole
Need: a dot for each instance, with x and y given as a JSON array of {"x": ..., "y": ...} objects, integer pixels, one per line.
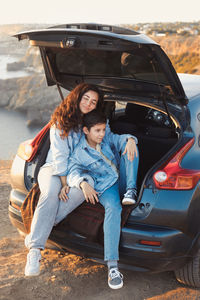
[
  {"x": 115, "y": 287},
  {"x": 30, "y": 275},
  {"x": 128, "y": 201}
]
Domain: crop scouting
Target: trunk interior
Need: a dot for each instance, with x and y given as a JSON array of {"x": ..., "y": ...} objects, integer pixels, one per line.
[
  {"x": 155, "y": 134},
  {"x": 152, "y": 128}
]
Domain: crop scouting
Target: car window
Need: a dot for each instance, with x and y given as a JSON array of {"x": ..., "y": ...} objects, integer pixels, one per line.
[
  {"x": 136, "y": 64},
  {"x": 120, "y": 105}
]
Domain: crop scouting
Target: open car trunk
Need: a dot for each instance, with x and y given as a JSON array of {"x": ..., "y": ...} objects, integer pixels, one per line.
[
  {"x": 156, "y": 136},
  {"x": 155, "y": 133},
  {"x": 127, "y": 66}
]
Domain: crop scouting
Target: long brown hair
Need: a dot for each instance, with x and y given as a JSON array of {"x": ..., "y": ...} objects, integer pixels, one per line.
[{"x": 67, "y": 115}]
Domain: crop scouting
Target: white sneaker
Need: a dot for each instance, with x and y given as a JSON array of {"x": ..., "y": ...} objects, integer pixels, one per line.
[
  {"x": 115, "y": 279},
  {"x": 33, "y": 263},
  {"x": 130, "y": 197}
]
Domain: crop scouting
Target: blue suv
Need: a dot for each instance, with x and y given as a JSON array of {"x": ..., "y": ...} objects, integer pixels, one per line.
[{"x": 143, "y": 96}]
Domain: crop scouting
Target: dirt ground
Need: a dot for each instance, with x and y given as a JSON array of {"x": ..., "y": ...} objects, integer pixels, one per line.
[{"x": 67, "y": 276}]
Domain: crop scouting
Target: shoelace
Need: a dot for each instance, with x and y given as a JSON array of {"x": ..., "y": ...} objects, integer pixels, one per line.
[
  {"x": 115, "y": 273},
  {"x": 130, "y": 193}
]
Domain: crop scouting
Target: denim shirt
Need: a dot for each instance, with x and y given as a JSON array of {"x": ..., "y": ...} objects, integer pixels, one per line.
[
  {"x": 61, "y": 149},
  {"x": 86, "y": 161}
]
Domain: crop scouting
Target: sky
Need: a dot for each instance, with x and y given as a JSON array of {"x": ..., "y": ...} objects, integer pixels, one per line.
[{"x": 102, "y": 11}]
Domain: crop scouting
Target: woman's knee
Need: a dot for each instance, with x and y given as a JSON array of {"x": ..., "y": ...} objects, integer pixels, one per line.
[
  {"x": 48, "y": 201},
  {"x": 50, "y": 185}
]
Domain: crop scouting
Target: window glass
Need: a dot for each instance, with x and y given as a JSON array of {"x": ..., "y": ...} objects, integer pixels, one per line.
[
  {"x": 136, "y": 64},
  {"x": 120, "y": 105}
]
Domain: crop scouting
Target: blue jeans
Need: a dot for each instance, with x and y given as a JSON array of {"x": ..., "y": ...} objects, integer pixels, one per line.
[
  {"x": 50, "y": 209},
  {"x": 110, "y": 199}
]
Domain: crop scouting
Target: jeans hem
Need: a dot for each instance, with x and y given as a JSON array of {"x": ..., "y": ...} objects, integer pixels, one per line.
[{"x": 111, "y": 258}]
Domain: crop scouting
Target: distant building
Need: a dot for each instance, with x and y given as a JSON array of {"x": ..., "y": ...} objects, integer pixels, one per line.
[
  {"x": 189, "y": 30},
  {"x": 158, "y": 33}
]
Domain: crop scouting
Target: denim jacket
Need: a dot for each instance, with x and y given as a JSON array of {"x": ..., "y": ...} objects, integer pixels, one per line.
[
  {"x": 61, "y": 149},
  {"x": 86, "y": 161}
]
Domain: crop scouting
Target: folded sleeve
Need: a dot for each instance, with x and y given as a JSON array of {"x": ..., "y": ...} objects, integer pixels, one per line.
[
  {"x": 76, "y": 173},
  {"x": 118, "y": 140}
]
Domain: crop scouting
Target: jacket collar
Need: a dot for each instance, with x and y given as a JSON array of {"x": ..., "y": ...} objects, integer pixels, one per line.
[{"x": 84, "y": 144}]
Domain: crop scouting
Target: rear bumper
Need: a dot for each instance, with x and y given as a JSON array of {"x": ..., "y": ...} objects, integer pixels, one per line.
[{"x": 170, "y": 255}]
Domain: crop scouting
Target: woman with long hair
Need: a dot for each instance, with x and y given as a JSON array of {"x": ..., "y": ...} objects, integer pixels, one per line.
[{"x": 65, "y": 134}]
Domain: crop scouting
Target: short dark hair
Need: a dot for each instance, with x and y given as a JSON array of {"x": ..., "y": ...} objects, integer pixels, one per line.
[{"x": 93, "y": 118}]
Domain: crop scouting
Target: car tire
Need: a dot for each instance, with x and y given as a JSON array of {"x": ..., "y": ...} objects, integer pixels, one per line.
[{"x": 190, "y": 273}]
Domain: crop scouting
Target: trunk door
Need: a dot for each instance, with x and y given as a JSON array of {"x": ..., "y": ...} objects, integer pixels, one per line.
[{"x": 119, "y": 60}]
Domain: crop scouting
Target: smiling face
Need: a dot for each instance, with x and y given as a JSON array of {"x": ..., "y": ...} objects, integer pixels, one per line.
[
  {"x": 88, "y": 101},
  {"x": 95, "y": 135}
]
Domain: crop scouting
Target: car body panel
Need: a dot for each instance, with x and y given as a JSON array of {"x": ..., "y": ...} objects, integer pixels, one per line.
[
  {"x": 169, "y": 208},
  {"x": 17, "y": 174},
  {"x": 191, "y": 84},
  {"x": 132, "y": 253}
]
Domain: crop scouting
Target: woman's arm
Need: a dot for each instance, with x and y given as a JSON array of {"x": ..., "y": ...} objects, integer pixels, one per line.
[{"x": 60, "y": 152}]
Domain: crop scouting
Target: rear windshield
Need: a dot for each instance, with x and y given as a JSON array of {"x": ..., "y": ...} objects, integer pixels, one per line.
[{"x": 135, "y": 64}]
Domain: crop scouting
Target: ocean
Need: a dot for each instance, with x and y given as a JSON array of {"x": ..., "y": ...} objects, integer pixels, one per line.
[
  {"x": 13, "y": 131},
  {"x": 13, "y": 128}
]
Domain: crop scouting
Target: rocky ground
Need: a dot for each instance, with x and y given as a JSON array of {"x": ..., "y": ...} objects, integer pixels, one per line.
[{"x": 67, "y": 276}]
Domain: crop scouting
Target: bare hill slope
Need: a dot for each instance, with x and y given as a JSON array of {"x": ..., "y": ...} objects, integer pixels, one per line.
[{"x": 183, "y": 51}]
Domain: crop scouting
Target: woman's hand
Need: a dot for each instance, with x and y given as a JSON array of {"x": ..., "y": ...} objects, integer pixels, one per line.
[
  {"x": 89, "y": 193},
  {"x": 63, "y": 193},
  {"x": 130, "y": 149}
]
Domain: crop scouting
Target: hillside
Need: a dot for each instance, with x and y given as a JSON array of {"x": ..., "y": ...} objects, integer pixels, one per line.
[{"x": 184, "y": 52}]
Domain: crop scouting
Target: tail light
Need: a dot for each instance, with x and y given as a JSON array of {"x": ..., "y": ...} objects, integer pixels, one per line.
[
  {"x": 28, "y": 149},
  {"x": 173, "y": 177},
  {"x": 25, "y": 150}
]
